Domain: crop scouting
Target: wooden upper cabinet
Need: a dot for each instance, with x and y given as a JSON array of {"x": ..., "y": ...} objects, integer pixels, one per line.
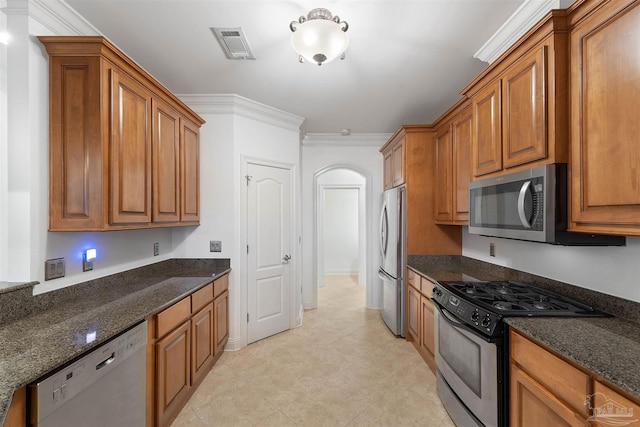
[
  {"x": 190, "y": 172},
  {"x": 398, "y": 163},
  {"x": 487, "y": 130},
  {"x": 166, "y": 163},
  {"x": 520, "y": 103},
  {"x": 116, "y": 149},
  {"x": 462, "y": 137},
  {"x": 524, "y": 110},
  {"x": 394, "y": 163},
  {"x": 130, "y": 151},
  {"x": 605, "y": 125},
  {"x": 444, "y": 173},
  {"x": 453, "y": 167}
]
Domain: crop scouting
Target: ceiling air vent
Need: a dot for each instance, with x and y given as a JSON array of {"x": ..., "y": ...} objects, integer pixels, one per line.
[{"x": 233, "y": 43}]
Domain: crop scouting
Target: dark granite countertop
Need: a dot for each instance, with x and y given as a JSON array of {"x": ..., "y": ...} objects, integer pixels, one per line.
[
  {"x": 54, "y": 329},
  {"x": 608, "y": 347}
]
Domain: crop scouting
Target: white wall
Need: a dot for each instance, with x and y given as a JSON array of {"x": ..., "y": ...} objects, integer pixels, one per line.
[
  {"x": 341, "y": 231},
  {"x": 25, "y": 237},
  {"x": 232, "y": 135},
  {"x": 611, "y": 270},
  {"x": 4, "y": 191},
  {"x": 365, "y": 159}
]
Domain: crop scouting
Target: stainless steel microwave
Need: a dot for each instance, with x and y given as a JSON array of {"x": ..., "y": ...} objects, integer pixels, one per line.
[{"x": 528, "y": 205}]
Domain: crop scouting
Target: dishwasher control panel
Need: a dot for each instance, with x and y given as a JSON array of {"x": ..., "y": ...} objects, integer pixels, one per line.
[{"x": 53, "y": 391}]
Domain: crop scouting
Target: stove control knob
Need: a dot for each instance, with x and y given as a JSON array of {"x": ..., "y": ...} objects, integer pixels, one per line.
[
  {"x": 475, "y": 315},
  {"x": 486, "y": 322},
  {"x": 437, "y": 292}
]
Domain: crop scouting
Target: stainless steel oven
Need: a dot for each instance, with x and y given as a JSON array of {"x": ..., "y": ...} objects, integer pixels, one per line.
[
  {"x": 468, "y": 372},
  {"x": 471, "y": 343}
]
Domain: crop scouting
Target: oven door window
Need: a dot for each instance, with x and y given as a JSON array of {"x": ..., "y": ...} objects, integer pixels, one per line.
[
  {"x": 462, "y": 355},
  {"x": 469, "y": 365}
]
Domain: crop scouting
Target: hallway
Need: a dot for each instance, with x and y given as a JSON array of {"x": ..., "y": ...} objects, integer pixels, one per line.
[{"x": 341, "y": 368}]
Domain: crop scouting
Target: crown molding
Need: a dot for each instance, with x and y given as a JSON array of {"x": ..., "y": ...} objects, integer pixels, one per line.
[
  {"x": 525, "y": 17},
  {"x": 56, "y": 15},
  {"x": 236, "y": 104},
  {"x": 339, "y": 140}
]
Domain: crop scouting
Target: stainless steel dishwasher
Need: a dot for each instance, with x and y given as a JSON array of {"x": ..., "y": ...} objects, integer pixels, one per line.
[{"x": 104, "y": 388}]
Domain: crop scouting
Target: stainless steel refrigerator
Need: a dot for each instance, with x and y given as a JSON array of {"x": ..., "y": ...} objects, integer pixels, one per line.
[{"x": 392, "y": 269}]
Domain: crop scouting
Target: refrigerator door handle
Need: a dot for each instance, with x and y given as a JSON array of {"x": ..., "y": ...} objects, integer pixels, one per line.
[{"x": 384, "y": 275}]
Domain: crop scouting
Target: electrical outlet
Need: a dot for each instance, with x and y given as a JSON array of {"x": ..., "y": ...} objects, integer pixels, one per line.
[
  {"x": 156, "y": 249},
  {"x": 215, "y": 246},
  {"x": 492, "y": 249},
  {"x": 54, "y": 268}
]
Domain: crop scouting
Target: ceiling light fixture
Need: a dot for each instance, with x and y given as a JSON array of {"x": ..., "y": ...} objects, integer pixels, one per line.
[{"x": 320, "y": 37}]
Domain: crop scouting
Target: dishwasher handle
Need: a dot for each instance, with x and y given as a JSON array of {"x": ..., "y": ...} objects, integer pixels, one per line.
[{"x": 106, "y": 362}]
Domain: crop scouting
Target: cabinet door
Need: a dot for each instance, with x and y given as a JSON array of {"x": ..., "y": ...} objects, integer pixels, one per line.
[
  {"x": 388, "y": 181},
  {"x": 524, "y": 115},
  {"x": 397, "y": 163},
  {"x": 413, "y": 314},
  {"x": 130, "y": 151},
  {"x": 462, "y": 135},
  {"x": 173, "y": 372},
  {"x": 427, "y": 339},
  {"x": 166, "y": 163},
  {"x": 75, "y": 144},
  {"x": 444, "y": 174},
  {"x": 221, "y": 316},
  {"x": 201, "y": 343},
  {"x": 190, "y": 172},
  {"x": 605, "y": 153},
  {"x": 487, "y": 130},
  {"x": 531, "y": 405}
]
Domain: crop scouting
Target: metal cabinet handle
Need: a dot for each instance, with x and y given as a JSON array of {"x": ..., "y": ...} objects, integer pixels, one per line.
[{"x": 286, "y": 258}]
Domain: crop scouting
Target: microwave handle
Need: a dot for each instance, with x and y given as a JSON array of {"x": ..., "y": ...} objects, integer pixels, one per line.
[{"x": 521, "y": 197}]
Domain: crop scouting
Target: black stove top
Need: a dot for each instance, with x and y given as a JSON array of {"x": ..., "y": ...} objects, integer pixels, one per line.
[{"x": 482, "y": 305}]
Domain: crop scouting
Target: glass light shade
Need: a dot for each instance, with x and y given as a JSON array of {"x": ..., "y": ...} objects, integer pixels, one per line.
[{"x": 318, "y": 39}]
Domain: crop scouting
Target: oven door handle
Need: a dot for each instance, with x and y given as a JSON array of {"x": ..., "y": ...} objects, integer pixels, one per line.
[{"x": 456, "y": 323}]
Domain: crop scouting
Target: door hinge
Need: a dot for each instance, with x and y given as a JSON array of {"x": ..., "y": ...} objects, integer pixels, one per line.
[
  {"x": 248, "y": 178},
  {"x": 247, "y": 317},
  {"x": 247, "y": 248}
]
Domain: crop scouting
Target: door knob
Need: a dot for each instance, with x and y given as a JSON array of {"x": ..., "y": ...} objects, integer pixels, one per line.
[{"x": 286, "y": 258}]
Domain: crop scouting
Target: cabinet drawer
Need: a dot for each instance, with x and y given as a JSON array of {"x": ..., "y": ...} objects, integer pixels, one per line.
[
  {"x": 565, "y": 381},
  {"x": 603, "y": 396},
  {"x": 413, "y": 278},
  {"x": 426, "y": 287},
  {"x": 201, "y": 297},
  {"x": 173, "y": 316},
  {"x": 220, "y": 285}
]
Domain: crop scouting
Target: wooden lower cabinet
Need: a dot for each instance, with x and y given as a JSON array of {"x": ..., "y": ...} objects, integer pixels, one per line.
[
  {"x": 202, "y": 344},
  {"x": 221, "y": 316},
  {"x": 17, "y": 413},
  {"x": 173, "y": 373},
  {"x": 184, "y": 342},
  {"x": 413, "y": 315},
  {"x": 427, "y": 332},
  {"x": 532, "y": 405},
  {"x": 547, "y": 390},
  {"x": 420, "y": 321}
]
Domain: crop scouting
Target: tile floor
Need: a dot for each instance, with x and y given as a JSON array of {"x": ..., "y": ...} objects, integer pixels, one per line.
[{"x": 342, "y": 367}]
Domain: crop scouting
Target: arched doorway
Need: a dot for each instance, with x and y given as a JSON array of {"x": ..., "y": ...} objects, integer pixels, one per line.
[{"x": 341, "y": 223}]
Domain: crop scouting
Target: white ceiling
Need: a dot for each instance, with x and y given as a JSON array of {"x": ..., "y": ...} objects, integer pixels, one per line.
[{"x": 406, "y": 63}]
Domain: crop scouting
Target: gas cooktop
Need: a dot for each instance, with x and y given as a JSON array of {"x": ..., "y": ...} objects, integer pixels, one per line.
[
  {"x": 514, "y": 298},
  {"x": 482, "y": 305}
]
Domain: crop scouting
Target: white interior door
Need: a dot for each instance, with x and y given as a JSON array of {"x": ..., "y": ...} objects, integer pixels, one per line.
[{"x": 269, "y": 251}]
